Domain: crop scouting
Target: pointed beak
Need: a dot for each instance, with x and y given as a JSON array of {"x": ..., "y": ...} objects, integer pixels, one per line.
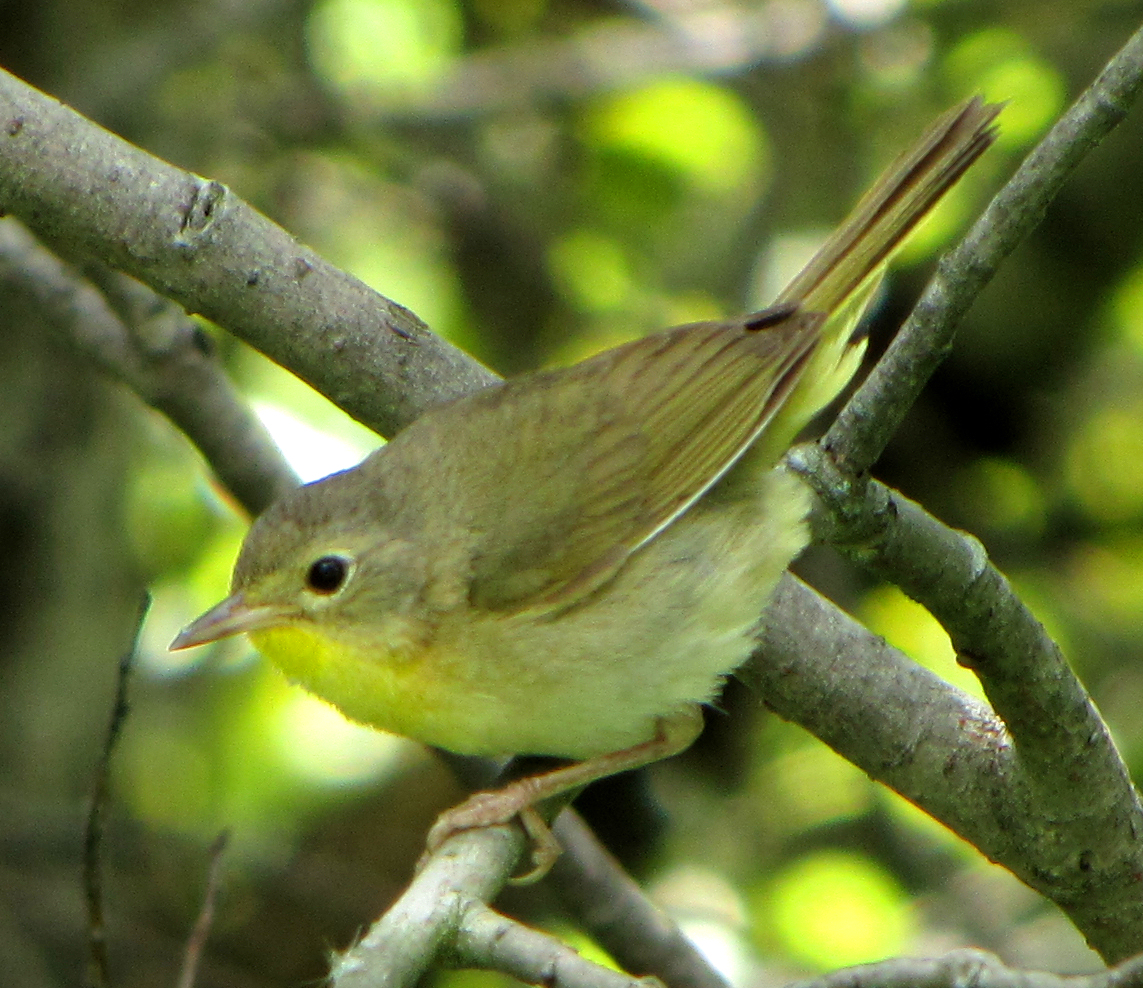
[{"x": 232, "y": 617}]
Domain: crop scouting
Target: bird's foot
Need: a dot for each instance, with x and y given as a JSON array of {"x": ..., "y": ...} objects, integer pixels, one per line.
[{"x": 494, "y": 808}]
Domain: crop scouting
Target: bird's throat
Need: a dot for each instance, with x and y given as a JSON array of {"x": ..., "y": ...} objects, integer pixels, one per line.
[{"x": 380, "y": 687}]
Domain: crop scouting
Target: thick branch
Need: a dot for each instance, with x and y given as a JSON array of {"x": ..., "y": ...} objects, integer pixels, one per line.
[
  {"x": 937, "y": 746},
  {"x": 192, "y": 240},
  {"x": 951, "y": 756}
]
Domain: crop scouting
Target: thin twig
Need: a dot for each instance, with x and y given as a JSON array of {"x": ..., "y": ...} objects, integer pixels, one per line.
[
  {"x": 487, "y": 940},
  {"x": 97, "y": 966},
  {"x": 971, "y": 967},
  {"x": 196, "y": 943}
]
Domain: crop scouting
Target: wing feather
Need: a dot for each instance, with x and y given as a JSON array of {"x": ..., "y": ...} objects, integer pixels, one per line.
[{"x": 579, "y": 467}]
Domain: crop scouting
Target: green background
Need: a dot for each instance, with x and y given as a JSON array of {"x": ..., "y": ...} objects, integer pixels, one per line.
[{"x": 539, "y": 180}]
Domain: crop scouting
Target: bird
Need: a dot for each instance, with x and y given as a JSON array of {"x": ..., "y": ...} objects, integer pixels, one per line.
[{"x": 569, "y": 563}]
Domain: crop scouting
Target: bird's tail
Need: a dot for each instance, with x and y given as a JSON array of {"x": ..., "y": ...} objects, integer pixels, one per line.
[
  {"x": 839, "y": 280},
  {"x": 904, "y": 193}
]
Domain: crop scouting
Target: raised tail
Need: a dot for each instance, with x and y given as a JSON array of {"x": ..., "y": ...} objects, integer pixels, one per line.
[
  {"x": 840, "y": 278},
  {"x": 904, "y": 193}
]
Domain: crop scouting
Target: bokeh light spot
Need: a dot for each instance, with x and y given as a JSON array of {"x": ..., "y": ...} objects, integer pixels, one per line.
[
  {"x": 367, "y": 49},
  {"x": 701, "y": 131},
  {"x": 836, "y": 909}
]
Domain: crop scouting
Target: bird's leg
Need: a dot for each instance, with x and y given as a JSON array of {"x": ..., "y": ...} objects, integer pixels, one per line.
[{"x": 519, "y": 798}]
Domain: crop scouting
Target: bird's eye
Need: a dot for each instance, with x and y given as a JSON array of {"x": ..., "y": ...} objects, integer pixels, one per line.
[{"x": 327, "y": 574}]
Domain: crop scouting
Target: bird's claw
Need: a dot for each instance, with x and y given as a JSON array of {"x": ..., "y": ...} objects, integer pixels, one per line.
[{"x": 491, "y": 809}]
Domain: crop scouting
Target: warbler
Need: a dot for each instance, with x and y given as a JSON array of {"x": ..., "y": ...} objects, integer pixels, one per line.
[{"x": 569, "y": 563}]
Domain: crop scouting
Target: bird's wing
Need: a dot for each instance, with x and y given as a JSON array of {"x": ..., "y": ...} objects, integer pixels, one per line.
[
  {"x": 553, "y": 479},
  {"x": 558, "y": 476}
]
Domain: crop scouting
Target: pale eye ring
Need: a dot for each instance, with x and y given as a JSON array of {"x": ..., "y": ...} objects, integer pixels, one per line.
[{"x": 328, "y": 574}]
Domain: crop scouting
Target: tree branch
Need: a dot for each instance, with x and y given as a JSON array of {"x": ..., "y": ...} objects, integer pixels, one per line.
[
  {"x": 160, "y": 353},
  {"x": 970, "y": 967},
  {"x": 471, "y": 866},
  {"x": 617, "y": 913},
  {"x": 489, "y": 941},
  {"x": 82, "y": 188}
]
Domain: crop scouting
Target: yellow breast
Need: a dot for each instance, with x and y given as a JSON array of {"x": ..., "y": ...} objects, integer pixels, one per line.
[
  {"x": 386, "y": 691},
  {"x": 404, "y": 686}
]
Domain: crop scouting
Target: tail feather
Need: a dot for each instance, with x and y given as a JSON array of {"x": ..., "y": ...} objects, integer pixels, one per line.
[
  {"x": 840, "y": 279},
  {"x": 886, "y": 214}
]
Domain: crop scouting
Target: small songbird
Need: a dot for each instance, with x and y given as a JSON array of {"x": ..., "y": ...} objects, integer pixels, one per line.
[{"x": 569, "y": 563}]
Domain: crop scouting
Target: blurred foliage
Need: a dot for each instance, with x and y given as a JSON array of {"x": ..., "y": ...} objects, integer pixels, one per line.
[
  {"x": 834, "y": 909},
  {"x": 540, "y": 179}
]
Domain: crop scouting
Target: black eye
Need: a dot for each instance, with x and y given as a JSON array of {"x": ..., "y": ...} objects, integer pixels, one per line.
[{"x": 327, "y": 574}]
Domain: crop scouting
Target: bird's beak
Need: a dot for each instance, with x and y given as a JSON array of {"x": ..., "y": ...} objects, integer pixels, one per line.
[{"x": 231, "y": 617}]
